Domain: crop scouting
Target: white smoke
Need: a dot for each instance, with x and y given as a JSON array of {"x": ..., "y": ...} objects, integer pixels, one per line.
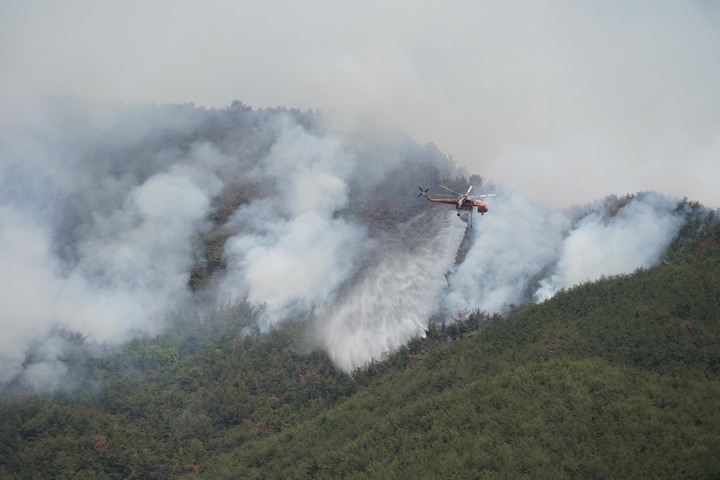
[
  {"x": 291, "y": 247},
  {"x": 101, "y": 246},
  {"x": 136, "y": 262},
  {"x": 513, "y": 243},
  {"x": 635, "y": 238},
  {"x": 47, "y": 371},
  {"x": 524, "y": 251},
  {"x": 29, "y": 288},
  {"x": 132, "y": 266},
  {"x": 102, "y": 209},
  {"x": 302, "y": 260}
]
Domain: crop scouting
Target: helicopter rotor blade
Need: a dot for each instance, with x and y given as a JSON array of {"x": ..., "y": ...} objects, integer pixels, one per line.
[{"x": 450, "y": 190}]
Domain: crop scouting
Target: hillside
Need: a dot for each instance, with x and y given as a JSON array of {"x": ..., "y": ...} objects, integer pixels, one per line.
[
  {"x": 261, "y": 293},
  {"x": 612, "y": 379},
  {"x": 615, "y": 379},
  {"x": 115, "y": 217}
]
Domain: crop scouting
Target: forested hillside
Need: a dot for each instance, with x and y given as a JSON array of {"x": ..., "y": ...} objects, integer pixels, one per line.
[
  {"x": 143, "y": 211},
  {"x": 616, "y": 378}
]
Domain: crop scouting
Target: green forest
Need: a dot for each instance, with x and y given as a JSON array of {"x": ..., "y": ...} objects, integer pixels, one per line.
[{"x": 612, "y": 379}]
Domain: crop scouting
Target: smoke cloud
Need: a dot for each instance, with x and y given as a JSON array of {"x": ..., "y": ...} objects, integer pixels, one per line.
[
  {"x": 29, "y": 288},
  {"x": 634, "y": 238},
  {"x": 104, "y": 208},
  {"x": 613, "y": 94},
  {"x": 292, "y": 248},
  {"x": 524, "y": 251},
  {"x": 513, "y": 243},
  {"x": 92, "y": 243}
]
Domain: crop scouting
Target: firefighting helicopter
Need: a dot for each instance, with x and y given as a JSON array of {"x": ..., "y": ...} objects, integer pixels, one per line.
[{"x": 462, "y": 201}]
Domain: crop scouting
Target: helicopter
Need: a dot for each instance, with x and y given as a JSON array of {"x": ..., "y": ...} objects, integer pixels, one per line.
[{"x": 462, "y": 201}]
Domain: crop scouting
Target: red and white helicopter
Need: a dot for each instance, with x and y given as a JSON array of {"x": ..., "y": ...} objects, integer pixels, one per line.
[{"x": 462, "y": 201}]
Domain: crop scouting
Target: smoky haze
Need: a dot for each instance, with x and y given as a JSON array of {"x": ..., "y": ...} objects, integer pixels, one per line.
[
  {"x": 107, "y": 211},
  {"x": 618, "y": 96},
  {"x": 524, "y": 254},
  {"x": 105, "y": 208}
]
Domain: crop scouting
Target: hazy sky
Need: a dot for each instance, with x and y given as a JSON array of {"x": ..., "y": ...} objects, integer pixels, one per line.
[{"x": 564, "y": 101}]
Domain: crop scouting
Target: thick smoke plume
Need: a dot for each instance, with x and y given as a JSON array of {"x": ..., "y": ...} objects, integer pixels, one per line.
[
  {"x": 106, "y": 211},
  {"x": 95, "y": 237},
  {"x": 524, "y": 251},
  {"x": 105, "y": 207},
  {"x": 291, "y": 246}
]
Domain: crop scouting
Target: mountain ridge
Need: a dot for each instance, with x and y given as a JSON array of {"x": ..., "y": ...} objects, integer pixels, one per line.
[{"x": 261, "y": 294}]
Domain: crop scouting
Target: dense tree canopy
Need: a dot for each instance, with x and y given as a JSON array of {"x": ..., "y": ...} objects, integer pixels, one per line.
[{"x": 617, "y": 378}]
